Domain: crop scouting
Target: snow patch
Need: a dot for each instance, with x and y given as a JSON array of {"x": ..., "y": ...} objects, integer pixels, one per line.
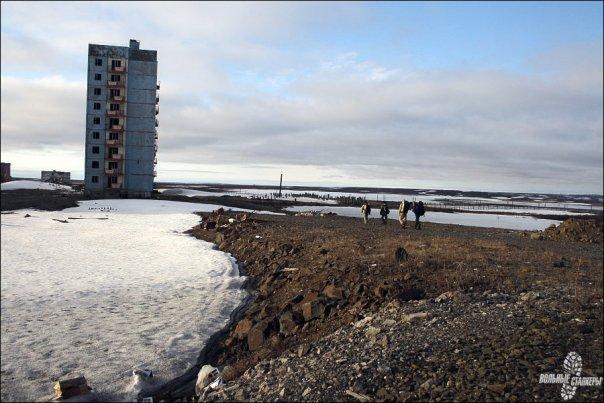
[
  {"x": 102, "y": 297},
  {"x": 25, "y": 184}
]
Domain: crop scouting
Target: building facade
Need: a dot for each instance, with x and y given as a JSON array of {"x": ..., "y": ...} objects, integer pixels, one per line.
[
  {"x": 121, "y": 121},
  {"x": 56, "y": 177},
  {"x": 5, "y": 169}
]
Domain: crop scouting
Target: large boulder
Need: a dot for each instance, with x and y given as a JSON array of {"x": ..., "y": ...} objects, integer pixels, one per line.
[
  {"x": 287, "y": 324},
  {"x": 256, "y": 336},
  {"x": 313, "y": 310},
  {"x": 242, "y": 329},
  {"x": 333, "y": 292}
]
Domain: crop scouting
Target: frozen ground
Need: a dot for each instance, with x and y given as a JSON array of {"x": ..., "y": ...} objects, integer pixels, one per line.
[
  {"x": 98, "y": 297},
  {"x": 25, "y": 184},
  {"x": 471, "y": 219}
]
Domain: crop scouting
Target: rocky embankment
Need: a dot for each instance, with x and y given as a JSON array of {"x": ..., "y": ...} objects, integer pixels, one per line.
[
  {"x": 486, "y": 347},
  {"x": 343, "y": 310}
]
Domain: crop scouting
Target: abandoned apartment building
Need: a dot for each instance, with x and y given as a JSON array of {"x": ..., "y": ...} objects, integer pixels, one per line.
[{"x": 121, "y": 121}]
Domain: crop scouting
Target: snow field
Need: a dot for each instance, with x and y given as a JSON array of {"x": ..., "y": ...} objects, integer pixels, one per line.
[{"x": 100, "y": 297}]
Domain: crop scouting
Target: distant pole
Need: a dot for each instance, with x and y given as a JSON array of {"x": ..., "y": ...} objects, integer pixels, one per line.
[{"x": 280, "y": 183}]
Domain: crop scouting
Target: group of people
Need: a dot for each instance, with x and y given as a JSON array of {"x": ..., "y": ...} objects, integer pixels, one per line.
[{"x": 416, "y": 207}]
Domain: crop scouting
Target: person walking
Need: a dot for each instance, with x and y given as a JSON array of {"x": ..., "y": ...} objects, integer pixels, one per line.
[
  {"x": 365, "y": 211},
  {"x": 403, "y": 209},
  {"x": 384, "y": 211},
  {"x": 418, "y": 210}
]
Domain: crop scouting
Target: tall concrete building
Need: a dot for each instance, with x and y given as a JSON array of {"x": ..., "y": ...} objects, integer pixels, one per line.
[{"x": 121, "y": 121}]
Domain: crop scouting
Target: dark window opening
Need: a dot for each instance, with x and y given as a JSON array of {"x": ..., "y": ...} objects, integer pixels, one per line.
[
  {"x": 95, "y": 179},
  {"x": 97, "y": 106},
  {"x": 96, "y": 135},
  {"x": 112, "y": 165},
  {"x": 116, "y": 63},
  {"x": 96, "y": 121},
  {"x": 97, "y": 91},
  {"x": 114, "y": 122},
  {"x": 114, "y": 136},
  {"x": 114, "y": 107},
  {"x": 115, "y": 92},
  {"x": 95, "y": 150},
  {"x": 116, "y": 77},
  {"x": 97, "y": 76},
  {"x": 98, "y": 62},
  {"x": 114, "y": 179},
  {"x": 95, "y": 164}
]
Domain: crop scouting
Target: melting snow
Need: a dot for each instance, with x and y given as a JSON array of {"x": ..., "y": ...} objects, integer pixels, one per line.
[{"x": 101, "y": 297}]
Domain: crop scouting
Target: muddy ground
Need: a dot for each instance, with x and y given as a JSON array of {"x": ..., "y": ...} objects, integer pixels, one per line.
[{"x": 313, "y": 276}]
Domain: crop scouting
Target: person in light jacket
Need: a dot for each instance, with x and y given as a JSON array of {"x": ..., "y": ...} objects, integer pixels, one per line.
[
  {"x": 402, "y": 212},
  {"x": 365, "y": 211}
]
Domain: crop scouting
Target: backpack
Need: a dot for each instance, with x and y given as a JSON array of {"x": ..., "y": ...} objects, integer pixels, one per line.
[{"x": 420, "y": 208}]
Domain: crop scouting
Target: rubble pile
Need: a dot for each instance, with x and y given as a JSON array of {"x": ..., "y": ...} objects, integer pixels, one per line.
[{"x": 572, "y": 230}]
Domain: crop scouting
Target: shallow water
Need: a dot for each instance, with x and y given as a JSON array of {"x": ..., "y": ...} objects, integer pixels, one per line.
[{"x": 469, "y": 219}]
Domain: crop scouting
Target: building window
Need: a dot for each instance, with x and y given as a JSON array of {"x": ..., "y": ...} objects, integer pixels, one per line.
[
  {"x": 95, "y": 164},
  {"x": 114, "y": 107},
  {"x": 96, "y": 135},
  {"x": 97, "y": 91},
  {"x": 95, "y": 150},
  {"x": 114, "y": 122},
  {"x": 112, "y": 150},
  {"x": 97, "y": 106},
  {"x": 96, "y": 121},
  {"x": 114, "y": 136},
  {"x": 116, "y": 77},
  {"x": 115, "y": 92},
  {"x": 95, "y": 179},
  {"x": 116, "y": 63},
  {"x": 112, "y": 165},
  {"x": 97, "y": 76},
  {"x": 113, "y": 179},
  {"x": 98, "y": 62}
]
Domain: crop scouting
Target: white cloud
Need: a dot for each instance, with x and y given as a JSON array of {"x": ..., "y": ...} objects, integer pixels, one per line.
[{"x": 233, "y": 91}]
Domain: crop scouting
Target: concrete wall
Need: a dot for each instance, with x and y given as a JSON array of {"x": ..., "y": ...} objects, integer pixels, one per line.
[{"x": 139, "y": 123}]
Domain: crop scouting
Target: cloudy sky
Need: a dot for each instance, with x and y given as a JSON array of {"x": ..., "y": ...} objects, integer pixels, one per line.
[{"x": 473, "y": 96}]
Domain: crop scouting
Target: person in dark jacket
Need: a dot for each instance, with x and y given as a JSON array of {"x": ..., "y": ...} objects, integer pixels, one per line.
[
  {"x": 418, "y": 210},
  {"x": 384, "y": 211}
]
